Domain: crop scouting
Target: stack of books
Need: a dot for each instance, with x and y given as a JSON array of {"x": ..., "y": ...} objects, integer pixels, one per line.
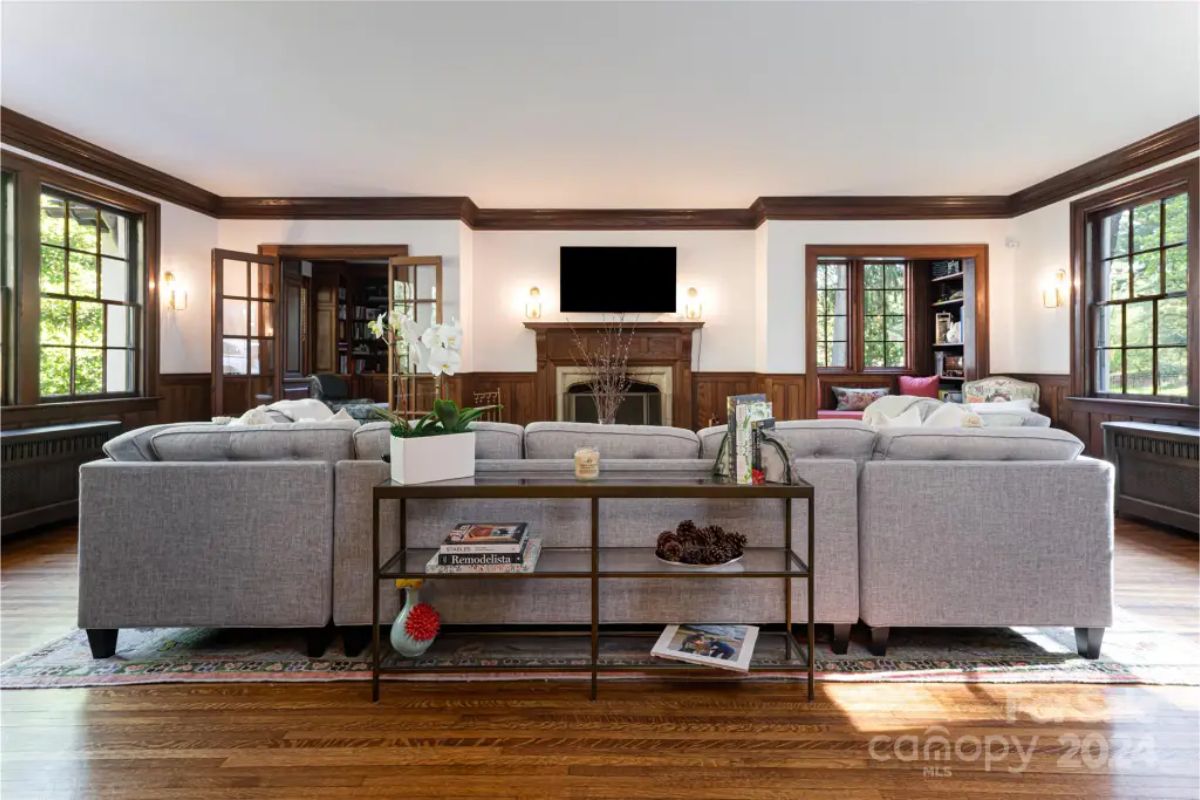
[{"x": 487, "y": 547}]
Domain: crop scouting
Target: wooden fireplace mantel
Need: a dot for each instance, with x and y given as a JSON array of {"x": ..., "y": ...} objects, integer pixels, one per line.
[{"x": 666, "y": 344}]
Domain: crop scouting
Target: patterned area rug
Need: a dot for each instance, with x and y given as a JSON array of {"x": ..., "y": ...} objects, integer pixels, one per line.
[{"x": 1132, "y": 653}]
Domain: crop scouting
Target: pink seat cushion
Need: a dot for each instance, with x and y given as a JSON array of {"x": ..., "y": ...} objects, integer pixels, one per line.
[
  {"x": 828, "y": 413},
  {"x": 919, "y": 387}
]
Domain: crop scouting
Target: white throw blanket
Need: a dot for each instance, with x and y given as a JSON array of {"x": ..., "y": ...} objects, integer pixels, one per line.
[{"x": 906, "y": 411}]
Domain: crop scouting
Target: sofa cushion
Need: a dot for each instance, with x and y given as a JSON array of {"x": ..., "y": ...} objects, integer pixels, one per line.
[
  {"x": 291, "y": 441},
  {"x": 809, "y": 438},
  {"x": 561, "y": 439},
  {"x": 492, "y": 440},
  {"x": 134, "y": 445},
  {"x": 976, "y": 444}
]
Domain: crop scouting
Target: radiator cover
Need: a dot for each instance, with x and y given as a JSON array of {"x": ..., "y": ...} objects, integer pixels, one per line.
[{"x": 40, "y": 471}]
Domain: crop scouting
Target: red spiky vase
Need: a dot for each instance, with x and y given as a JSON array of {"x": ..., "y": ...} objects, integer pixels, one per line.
[{"x": 416, "y": 625}]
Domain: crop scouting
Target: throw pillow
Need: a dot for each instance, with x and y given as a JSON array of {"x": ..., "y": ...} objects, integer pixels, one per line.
[
  {"x": 950, "y": 415},
  {"x": 919, "y": 387},
  {"x": 851, "y": 398}
]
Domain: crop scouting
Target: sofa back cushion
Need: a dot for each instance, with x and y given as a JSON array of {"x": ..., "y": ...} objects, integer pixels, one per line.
[
  {"x": 134, "y": 445},
  {"x": 976, "y": 444},
  {"x": 290, "y": 441},
  {"x": 492, "y": 440},
  {"x": 561, "y": 439},
  {"x": 809, "y": 438}
]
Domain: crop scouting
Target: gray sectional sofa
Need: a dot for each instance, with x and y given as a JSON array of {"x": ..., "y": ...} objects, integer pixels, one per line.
[{"x": 270, "y": 526}]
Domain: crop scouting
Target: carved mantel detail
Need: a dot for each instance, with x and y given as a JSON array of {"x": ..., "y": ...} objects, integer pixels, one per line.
[{"x": 665, "y": 344}]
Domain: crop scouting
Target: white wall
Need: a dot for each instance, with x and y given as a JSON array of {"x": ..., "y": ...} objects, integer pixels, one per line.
[
  {"x": 720, "y": 264},
  {"x": 1039, "y": 339}
]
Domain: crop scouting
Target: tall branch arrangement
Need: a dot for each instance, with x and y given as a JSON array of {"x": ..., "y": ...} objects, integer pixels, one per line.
[{"x": 607, "y": 364}]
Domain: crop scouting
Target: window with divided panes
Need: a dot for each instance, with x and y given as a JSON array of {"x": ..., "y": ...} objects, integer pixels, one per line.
[
  {"x": 862, "y": 313},
  {"x": 89, "y": 289},
  {"x": 1140, "y": 312}
]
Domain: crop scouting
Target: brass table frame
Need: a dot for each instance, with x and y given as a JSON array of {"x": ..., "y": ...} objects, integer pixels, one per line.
[{"x": 611, "y": 485}]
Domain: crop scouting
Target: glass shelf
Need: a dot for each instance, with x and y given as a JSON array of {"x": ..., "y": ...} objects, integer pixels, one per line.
[{"x": 614, "y": 562}]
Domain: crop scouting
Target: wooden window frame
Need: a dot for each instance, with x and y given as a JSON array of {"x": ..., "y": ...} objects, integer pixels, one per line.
[
  {"x": 1086, "y": 289},
  {"x": 23, "y": 356},
  {"x": 856, "y": 317}
]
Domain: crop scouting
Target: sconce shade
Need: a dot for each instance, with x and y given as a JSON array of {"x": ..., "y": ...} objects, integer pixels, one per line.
[
  {"x": 175, "y": 295},
  {"x": 533, "y": 306},
  {"x": 693, "y": 308}
]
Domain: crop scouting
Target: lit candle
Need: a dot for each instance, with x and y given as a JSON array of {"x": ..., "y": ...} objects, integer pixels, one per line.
[{"x": 587, "y": 463}]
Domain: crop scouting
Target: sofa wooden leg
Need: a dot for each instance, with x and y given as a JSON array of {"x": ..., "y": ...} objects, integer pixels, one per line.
[
  {"x": 355, "y": 639},
  {"x": 1087, "y": 641},
  {"x": 879, "y": 640},
  {"x": 103, "y": 641},
  {"x": 841, "y": 639},
  {"x": 317, "y": 640}
]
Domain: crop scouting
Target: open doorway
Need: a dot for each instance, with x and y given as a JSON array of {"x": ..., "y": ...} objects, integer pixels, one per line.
[{"x": 329, "y": 294}]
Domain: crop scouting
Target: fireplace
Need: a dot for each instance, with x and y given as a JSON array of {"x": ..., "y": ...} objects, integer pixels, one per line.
[
  {"x": 641, "y": 405},
  {"x": 660, "y": 360}
]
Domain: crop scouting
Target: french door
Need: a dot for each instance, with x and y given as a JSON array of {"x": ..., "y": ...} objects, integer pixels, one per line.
[{"x": 246, "y": 352}]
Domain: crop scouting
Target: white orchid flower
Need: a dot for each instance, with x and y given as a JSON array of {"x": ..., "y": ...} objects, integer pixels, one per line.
[
  {"x": 378, "y": 326},
  {"x": 443, "y": 361},
  {"x": 451, "y": 335},
  {"x": 432, "y": 337}
]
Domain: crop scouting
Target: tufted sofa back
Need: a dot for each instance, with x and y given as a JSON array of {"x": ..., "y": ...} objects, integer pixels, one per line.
[
  {"x": 809, "y": 438},
  {"x": 976, "y": 444}
]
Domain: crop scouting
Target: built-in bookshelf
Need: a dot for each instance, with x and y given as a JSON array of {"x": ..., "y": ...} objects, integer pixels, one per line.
[{"x": 952, "y": 323}]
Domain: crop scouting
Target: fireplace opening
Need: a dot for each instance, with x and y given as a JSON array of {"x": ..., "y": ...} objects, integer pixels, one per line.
[{"x": 641, "y": 405}]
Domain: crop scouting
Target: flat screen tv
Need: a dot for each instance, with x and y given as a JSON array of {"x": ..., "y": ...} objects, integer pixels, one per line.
[{"x": 617, "y": 280}]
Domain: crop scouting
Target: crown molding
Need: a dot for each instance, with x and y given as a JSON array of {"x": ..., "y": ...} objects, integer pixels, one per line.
[
  {"x": 25, "y": 133},
  {"x": 530, "y": 219},
  {"x": 881, "y": 207},
  {"x": 32, "y": 136},
  {"x": 1155, "y": 149},
  {"x": 460, "y": 208}
]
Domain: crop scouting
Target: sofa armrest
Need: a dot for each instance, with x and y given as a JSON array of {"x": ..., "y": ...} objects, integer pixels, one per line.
[{"x": 223, "y": 544}]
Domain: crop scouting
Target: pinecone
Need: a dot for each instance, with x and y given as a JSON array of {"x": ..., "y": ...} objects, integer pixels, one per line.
[{"x": 689, "y": 544}]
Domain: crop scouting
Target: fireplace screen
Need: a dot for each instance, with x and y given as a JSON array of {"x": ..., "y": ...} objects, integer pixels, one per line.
[{"x": 642, "y": 405}]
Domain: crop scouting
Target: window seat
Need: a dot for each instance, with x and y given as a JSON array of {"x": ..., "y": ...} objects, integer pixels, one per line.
[{"x": 828, "y": 413}]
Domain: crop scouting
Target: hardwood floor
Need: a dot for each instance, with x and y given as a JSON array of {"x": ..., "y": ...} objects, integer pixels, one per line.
[{"x": 536, "y": 740}]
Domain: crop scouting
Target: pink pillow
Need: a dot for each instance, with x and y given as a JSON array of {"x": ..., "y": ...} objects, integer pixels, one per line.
[{"x": 919, "y": 387}]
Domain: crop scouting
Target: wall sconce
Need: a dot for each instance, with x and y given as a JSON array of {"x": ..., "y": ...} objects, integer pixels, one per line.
[
  {"x": 175, "y": 295},
  {"x": 1055, "y": 294},
  {"x": 693, "y": 308},
  {"x": 533, "y": 306}
]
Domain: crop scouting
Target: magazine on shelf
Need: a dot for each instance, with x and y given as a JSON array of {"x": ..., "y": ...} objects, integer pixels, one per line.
[
  {"x": 532, "y": 551},
  {"x": 721, "y": 646},
  {"x": 483, "y": 557},
  {"x": 486, "y": 537}
]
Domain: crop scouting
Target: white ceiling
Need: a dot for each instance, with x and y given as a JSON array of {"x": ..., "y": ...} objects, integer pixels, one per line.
[{"x": 605, "y": 105}]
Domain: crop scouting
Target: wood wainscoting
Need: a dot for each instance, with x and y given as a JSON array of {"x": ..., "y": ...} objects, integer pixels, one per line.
[
  {"x": 1083, "y": 416},
  {"x": 186, "y": 397}
]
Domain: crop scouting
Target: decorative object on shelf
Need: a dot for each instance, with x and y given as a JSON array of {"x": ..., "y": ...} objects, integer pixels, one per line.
[
  {"x": 439, "y": 446},
  {"x": 533, "y": 306},
  {"x": 748, "y": 414},
  {"x": 949, "y": 366},
  {"x": 711, "y": 546},
  {"x": 587, "y": 463},
  {"x": 173, "y": 292},
  {"x": 1054, "y": 292},
  {"x": 722, "y": 646},
  {"x": 944, "y": 269},
  {"x": 605, "y": 355},
  {"x": 693, "y": 308},
  {"x": 417, "y": 624},
  {"x": 954, "y": 333},
  {"x": 942, "y": 322}
]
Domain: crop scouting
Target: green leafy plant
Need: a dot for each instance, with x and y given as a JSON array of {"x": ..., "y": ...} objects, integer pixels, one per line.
[{"x": 446, "y": 418}]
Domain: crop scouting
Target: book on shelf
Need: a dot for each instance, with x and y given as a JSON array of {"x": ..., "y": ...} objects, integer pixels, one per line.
[
  {"x": 483, "y": 557},
  {"x": 489, "y": 537},
  {"x": 527, "y": 565},
  {"x": 721, "y": 646}
]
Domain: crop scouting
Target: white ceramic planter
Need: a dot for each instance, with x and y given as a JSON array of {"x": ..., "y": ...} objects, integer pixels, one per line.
[{"x": 423, "y": 459}]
